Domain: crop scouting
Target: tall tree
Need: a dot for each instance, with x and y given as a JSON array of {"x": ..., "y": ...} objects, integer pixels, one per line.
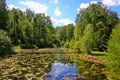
[
  {"x": 5, "y": 43},
  {"x": 87, "y": 42},
  {"x": 3, "y": 15},
  {"x": 70, "y": 31},
  {"x": 114, "y": 53},
  {"x": 100, "y": 17}
]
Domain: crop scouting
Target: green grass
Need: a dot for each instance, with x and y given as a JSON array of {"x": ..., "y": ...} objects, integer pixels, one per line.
[{"x": 98, "y": 53}]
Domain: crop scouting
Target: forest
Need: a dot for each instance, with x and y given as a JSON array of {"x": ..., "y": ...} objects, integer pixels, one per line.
[{"x": 96, "y": 33}]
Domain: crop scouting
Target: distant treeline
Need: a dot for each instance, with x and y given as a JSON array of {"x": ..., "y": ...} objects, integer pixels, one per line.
[{"x": 28, "y": 29}]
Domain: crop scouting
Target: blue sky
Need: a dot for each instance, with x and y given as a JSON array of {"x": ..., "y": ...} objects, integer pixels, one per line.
[{"x": 62, "y": 12}]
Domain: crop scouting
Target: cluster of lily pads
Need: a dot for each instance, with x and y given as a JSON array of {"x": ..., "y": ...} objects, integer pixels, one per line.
[
  {"x": 35, "y": 66},
  {"x": 29, "y": 66}
]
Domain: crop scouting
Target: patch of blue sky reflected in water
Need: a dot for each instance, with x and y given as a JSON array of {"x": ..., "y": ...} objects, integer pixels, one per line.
[{"x": 62, "y": 71}]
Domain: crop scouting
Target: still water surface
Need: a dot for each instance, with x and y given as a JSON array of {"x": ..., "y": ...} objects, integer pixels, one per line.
[
  {"x": 47, "y": 66},
  {"x": 62, "y": 71}
]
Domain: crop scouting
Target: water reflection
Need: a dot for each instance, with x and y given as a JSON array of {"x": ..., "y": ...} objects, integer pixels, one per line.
[{"x": 62, "y": 71}]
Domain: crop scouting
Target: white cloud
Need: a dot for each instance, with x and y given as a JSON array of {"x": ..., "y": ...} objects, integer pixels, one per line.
[
  {"x": 106, "y": 2},
  {"x": 93, "y": 2},
  {"x": 36, "y": 6},
  {"x": 85, "y": 5},
  {"x": 57, "y": 12},
  {"x": 82, "y": 6},
  {"x": 59, "y": 22},
  {"x": 54, "y": 1},
  {"x": 111, "y": 2},
  {"x": 11, "y": 6}
]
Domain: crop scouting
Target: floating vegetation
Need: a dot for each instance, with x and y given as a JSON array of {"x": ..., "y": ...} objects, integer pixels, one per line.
[{"x": 27, "y": 66}]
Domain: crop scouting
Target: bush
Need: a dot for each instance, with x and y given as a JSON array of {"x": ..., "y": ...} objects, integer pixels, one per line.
[
  {"x": 5, "y": 43},
  {"x": 114, "y": 52},
  {"x": 114, "y": 42},
  {"x": 71, "y": 44},
  {"x": 16, "y": 49},
  {"x": 77, "y": 46},
  {"x": 87, "y": 40},
  {"x": 66, "y": 45}
]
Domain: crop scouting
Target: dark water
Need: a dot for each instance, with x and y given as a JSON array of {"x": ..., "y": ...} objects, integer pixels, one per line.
[{"x": 62, "y": 71}]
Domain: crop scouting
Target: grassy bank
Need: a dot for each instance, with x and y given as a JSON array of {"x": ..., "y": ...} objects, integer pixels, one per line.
[{"x": 111, "y": 63}]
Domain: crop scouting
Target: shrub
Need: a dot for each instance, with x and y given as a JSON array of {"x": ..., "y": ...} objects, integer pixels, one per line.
[
  {"x": 114, "y": 52},
  {"x": 87, "y": 40},
  {"x": 66, "y": 45},
  {"x": 77, "y": 46},
  {"x": 71, "y": 43},
  {"x": 5, "y": 43}
]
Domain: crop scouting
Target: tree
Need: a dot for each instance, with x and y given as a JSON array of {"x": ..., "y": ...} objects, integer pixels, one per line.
[
  {"x": 88, "y": 39},
  {"x": 99, "y": 16},
  {"x": 70, "y": 31},
  {"x": 29, "y": 15},
  {"x": 26, "y": 32},
  {"x": 5, "y": 43},
  {"x": 78, "y": 31},
  {"x": 3, "y": 15},
  {"x": 65, "y": 34},
  {"x": 114, "y": 52},
  {"x": 51, "y": 37},
  {"x": 61, "y": 33}
]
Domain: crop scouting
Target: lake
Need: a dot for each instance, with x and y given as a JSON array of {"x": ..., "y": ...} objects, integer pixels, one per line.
[
  {"x": 51, "y": 65},
  {"x": 62, "y": 71}
]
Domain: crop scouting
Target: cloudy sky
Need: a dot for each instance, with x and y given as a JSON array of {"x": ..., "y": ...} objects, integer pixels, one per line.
[{"x": 62, "y": 12}]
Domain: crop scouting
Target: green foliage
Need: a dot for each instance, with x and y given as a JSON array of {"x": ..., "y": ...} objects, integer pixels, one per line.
[
  {"x": 70, "y": 31},
  {"x": 26, "y": 32},
  {"x": 113, "y": 44},
  {"x": 77, "y": 46},
  {"x": 65, "y": 34},
  {"x": 86, "y": 42},
  {"x": 114, "y": 52},
  {"x": 91, "y": 32},
  {"x": 66, "y": 44},
  {"x": 16, "y": 49},
  {"x": 78, "y": 31},
  {"x": 5, "y": 43},
  {"x": 102, "y": 20},
  {"x": 71, "y": 43},
  {"x": 3, "y": 15},
  {"x": 88, "y": 38},
  {"x": 33, "y": 29},
  {"x": 61, "y": 33}
]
